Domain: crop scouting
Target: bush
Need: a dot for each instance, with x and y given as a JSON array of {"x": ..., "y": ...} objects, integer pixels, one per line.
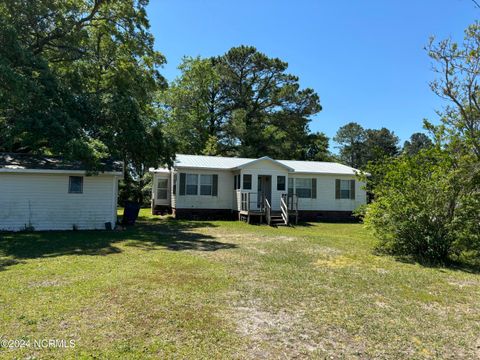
[{"x": 426, "y": 206}]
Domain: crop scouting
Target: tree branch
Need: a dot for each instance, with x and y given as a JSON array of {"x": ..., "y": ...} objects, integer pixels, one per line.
[{"x": 58, "y": 34}]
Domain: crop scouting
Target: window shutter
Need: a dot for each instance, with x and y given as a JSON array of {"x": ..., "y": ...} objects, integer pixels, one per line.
[
  {"x": 314, "y": 188},
  {"x": 182, "y": 183},
  {"x": 352, "y": 189},
  {"x": 215, "y": 185},
  {"x": 337, "y": 188}
]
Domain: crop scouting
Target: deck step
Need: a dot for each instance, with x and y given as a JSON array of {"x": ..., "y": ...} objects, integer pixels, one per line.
[{"x": 277, "y": 220}]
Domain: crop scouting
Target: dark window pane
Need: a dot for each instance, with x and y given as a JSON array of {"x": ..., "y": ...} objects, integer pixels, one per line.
[
  {"x": 281, "y": 183},
  {"x": 304, "y": 193},
  {"x": 75, "y": 185},
  {"x": 247, "y": 182},
  {"x": 205, "y": 189},
  {"x": 192, "y": 184},
  {"x": 162, "y": 194}
]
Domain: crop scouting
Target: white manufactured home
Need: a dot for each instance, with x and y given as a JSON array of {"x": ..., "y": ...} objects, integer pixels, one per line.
[
  {"x": 275, "y": 191},
  {"x": 47, "y": 193}
]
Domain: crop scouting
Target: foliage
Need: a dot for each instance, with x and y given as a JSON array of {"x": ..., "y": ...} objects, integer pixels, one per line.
[
  {"x": 79, "y": 79},
  {"x": 417, "y": 142},
  {"x": 458, "y": 69},
  {"x": 379, "y": 144},
  {"x": 351, "y": 138},
  {"x": 359, "y": 146},
  {"x": 193, "y": 106},
  {"x": 316, "y": 148},
  {"x": 414, "y": 208},
  {"x": 242, "y": 103},
  {"x": 428, "y": 202}
]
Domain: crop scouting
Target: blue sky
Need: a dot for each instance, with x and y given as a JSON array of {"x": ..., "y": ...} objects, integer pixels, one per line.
[{"x": 365, "y": 59}]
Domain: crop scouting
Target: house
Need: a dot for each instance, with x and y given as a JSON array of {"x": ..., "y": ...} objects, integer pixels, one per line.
[
  {"x": 271, "y": 190},
  {"x": 48, "y": 193}
]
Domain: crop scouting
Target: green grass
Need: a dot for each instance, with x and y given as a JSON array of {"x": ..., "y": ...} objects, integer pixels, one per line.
[{"x": 212, "y": 289}]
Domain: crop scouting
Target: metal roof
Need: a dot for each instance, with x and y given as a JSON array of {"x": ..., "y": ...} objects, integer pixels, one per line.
[
  {"x": 18, "y": 162},
  {"x": 230, "y": 163},
  {"x": 267, "y": 158}
]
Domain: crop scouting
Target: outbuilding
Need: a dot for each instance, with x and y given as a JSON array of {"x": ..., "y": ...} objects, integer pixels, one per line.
[{"x": 49, "y": 193}]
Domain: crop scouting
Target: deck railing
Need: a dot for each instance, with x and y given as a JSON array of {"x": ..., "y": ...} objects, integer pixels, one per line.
[
  {"x": 290, "y": 206},
  {"x": 284, "y": 210},
  {"x": 249, "y": 201},
  {"x": 268, "y": 211}
]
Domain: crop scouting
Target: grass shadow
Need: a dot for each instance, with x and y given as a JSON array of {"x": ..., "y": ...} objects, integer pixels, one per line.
[
  {"x": 454, "y": 265},
  {"x": 149, "y": 235},
  {"x": 175, "y": 235}
]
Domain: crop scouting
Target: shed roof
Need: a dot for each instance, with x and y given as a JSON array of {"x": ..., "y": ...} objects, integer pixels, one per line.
[
  {"x": 230, "y": 163},
  {"x": 19, "y": 162}
]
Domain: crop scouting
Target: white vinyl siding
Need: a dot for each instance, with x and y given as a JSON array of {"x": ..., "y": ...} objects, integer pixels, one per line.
[
  {"x": 223, "y": 200},
  {"x": 325, "y": 199},
  {"x": 42, "y": 201},
  {"x": 267, "y": 168},
  {"x": 322, "y": 199}
]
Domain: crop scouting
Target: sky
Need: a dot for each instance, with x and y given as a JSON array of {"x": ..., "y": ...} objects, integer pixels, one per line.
[{"x": 365, "y": 59}]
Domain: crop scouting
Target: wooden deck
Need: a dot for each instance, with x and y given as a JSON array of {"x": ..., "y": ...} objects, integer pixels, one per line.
[
  {"x": 275, "y": 216},
  {"x": 248, "y": 214},
  {"x": 251, "y": 207}
]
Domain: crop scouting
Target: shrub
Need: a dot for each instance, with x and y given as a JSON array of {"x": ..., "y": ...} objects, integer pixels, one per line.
[{"x": 426, "y": 206}]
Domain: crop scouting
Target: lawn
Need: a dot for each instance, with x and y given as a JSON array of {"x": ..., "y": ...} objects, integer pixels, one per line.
[{"x": 212, "y": 289}]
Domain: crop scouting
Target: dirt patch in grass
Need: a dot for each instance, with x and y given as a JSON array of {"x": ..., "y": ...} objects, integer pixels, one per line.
[
  {"x": 179, "y": 289},
  {"x": 273, "y": 333},
  {"x": 47, "y": 283},
  {"x": 339, "y": 261}
]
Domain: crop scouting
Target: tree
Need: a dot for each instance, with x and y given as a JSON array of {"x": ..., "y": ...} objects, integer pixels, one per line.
[
  {"x": 417, "y": 142},
  {"x": 380, "y": 144},
  {"x": 316, "y": 148},
  {"x": 37, "y": 113},
  {"x": 94, "y": 74},
  {"x": 194, "y": 106},
  {"x": 420, "y": 208},
  {"x": 245, "y": 100},
  {"x": 458, "y": 69},
  {"x": 351, "y": 138},
  {"x": 427, "y": 203},
  {"x": 267, "y": 108}
]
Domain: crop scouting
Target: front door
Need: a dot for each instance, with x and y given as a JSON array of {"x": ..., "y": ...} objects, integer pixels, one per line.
[{"x": 264, "y": 188}]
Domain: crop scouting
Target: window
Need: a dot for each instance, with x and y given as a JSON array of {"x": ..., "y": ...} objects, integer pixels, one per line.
[
  {"x": 191, "y": 184},
  {"x": 206, "y": 184},
  {"x": 175, "y": 184},
  {"x": 247, "y": 182},
  {"x": 290, "y": 186},
  {"x": 303, "y": 188},
  {"x": 75, "y": 185},
  {"x": 162, "y": 189},
  {"x": 345, "y": 189},
  {"x": 281, "y": 183},
  {"x": 236, "y": 182}
]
